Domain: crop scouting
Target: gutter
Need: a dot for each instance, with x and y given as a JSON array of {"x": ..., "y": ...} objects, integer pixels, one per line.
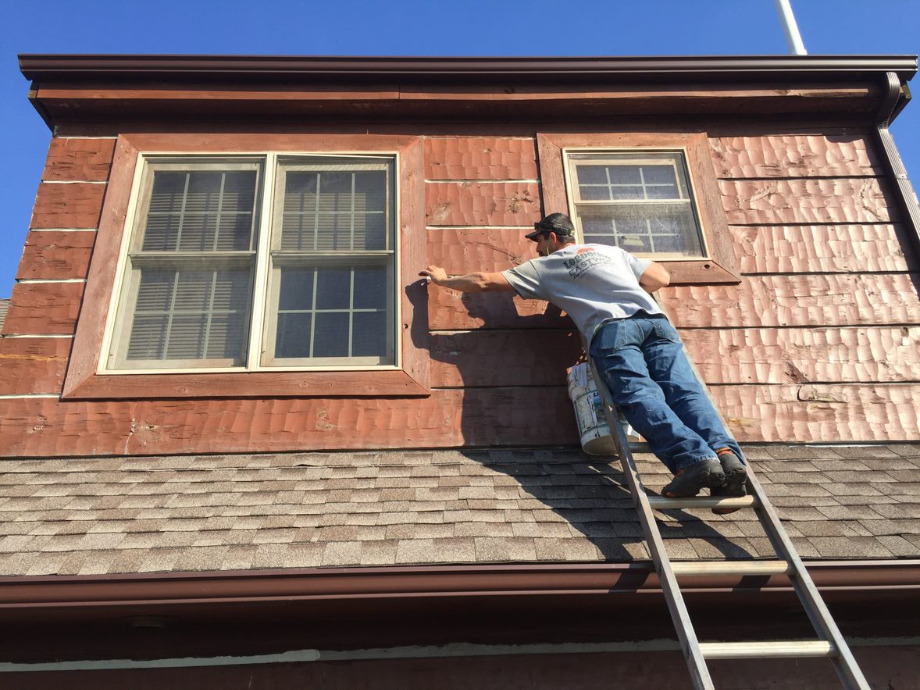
[
  {"x": 897, "y": 96},
  {"x": 38, "y": 67},
  {"x": 29, "y": 596}
]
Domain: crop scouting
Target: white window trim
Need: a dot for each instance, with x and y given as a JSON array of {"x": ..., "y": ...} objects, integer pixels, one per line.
[{"x": 268, "y": 167}]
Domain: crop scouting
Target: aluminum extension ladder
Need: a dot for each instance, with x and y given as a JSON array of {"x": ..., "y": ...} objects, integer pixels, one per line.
[{"x": 830, "y": 642}]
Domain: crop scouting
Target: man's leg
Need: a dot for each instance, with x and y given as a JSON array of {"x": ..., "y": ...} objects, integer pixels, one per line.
[
  {"x": 670, "y": 368},
  {"x": 618, "y": 354}
]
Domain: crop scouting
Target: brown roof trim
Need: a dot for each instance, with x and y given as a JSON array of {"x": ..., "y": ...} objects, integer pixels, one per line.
[
  {"x": 533, "y": 69},
  {"x": 35, "y": 593}
]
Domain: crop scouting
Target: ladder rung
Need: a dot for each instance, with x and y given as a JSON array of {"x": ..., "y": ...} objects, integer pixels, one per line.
[
  {"x": 662, "y": 503},
  {"x": 730, "y": 567},
  {"x": 767, "y": 650}
]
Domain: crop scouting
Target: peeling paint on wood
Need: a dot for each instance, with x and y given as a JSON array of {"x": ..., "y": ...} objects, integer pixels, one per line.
[
  {"x": 67, "y": 205},
  {"x": 795, "y": 155},
  {"x": 480, "y": 158},
  {"x": 43, "y": 309},
  {"x": 502, "y": 358},
  {"x": 482, "y": 203},
  {"x": 79, "y": 160},
  {"x": 777, "y": 202},
  {"x": 803, "y": 355},
  {"x": 820, "y": 248},
  {"x": 449, "y": 418},
  {"x": 32, "y": 365},
  {"x": 797, "y": 300},
  {"x": 833, "y": 413},
  {"x": 56, "y": 255}
]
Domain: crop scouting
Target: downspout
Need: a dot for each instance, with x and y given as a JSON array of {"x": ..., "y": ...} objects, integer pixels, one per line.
[{"x": 897, "y": 95}]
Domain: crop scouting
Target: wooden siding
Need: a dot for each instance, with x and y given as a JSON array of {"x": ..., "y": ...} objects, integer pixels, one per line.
[
  {"x": 466, "y": 203},
  {"x": 820, "y": 248},
  {"x": 792, "y": 201},
  {"x": 31, "y": 366},
  {"x": 817, "y": 344},
  {"x": 786, "y": 156},
  {"x": 480, "y": 158},
  {"x": 43, "y": 309},
  {"x": 51, "y": 255},
  {"x": 478, "y": 416},
  {"x": 83, "y": 160},
  {"x": 72, "y": 205}
]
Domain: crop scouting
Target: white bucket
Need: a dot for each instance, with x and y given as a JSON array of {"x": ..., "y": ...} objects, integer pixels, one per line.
[{"x": 589, "y": 413}]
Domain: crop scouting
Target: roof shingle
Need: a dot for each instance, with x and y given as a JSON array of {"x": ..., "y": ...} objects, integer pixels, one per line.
[{"x": 305, "y": 510}]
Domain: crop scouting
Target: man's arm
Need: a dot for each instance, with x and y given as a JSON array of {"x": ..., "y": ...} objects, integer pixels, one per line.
[
  {"x": 471, "y": 282},
  {"x": 654, "y": 277}
]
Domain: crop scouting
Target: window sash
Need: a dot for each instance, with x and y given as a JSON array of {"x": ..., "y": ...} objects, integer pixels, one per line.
[{"x": 315, "y": 258}]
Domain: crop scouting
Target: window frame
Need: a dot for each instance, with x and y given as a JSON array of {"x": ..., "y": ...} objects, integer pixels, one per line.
[
  {"x": 87, "y": 377},
  {"x": 719, "y": 266}
]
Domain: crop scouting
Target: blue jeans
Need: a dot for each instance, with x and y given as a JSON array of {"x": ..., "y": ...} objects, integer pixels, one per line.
[{"x": 642, "y": 360}]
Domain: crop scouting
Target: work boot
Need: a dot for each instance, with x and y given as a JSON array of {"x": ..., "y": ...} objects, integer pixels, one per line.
[
  {"x": 735, "y": 481},
  {"x": 690, "y": 480}
]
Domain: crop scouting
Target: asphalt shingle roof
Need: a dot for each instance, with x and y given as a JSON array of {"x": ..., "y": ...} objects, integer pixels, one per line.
[{"x": 83, "y": 516}]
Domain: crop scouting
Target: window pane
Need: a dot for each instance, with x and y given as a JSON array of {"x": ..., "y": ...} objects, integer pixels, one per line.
[
  {"x": 598, "y": 193},
  {"x": 296, "y": 288},
  {"x": 370, "y": 335},
  {"x": 349, "y": 213},
  {"x": 659, "y": 174},
  {"x": 293, "y": 335},
  {"x": 624, "y": 174},
  {"x": 333, "y": 289},
  {"x": 371, "y": 288},
  {"x": 645, "y": 228},
  {"x": 331, "y": 336},
  {"x": 190, "y": 315},
  {"x": 200, "y": 211}
]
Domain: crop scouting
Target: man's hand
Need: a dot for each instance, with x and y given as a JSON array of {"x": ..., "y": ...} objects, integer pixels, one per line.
[
  {"x": 435, "y": 274},
  {"x": 471, "y": 282}
]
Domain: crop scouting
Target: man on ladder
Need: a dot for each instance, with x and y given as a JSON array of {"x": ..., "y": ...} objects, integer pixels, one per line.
[{"x": 607, "y": 293}]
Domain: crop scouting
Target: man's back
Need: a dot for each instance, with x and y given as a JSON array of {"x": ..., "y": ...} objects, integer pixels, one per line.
[{"x": 590, "y": 282}]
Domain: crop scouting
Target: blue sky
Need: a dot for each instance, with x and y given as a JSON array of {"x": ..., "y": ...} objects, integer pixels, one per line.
[{"x": 414, "y": 28}]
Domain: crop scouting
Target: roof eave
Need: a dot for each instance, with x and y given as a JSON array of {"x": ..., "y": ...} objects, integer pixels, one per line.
[{"x": 538, "y": 69}]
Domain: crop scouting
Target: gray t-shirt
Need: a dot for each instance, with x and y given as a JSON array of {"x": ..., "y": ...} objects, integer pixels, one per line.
[{"x": 590, "y": 282}]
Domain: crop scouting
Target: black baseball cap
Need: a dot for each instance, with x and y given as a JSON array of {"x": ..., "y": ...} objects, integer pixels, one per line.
[{"x": 558, "y": 223}]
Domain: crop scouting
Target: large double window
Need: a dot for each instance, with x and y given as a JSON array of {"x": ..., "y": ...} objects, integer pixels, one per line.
[{"x": 259, "y": 262}]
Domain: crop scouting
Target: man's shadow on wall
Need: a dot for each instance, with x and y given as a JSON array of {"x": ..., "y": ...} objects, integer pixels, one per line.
[{"x": 590, "y": 493}]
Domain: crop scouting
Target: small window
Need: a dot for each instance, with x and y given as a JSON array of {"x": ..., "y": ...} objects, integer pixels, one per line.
[
  {"x": 640, "y": 201},
  {"x": 217, "y": 279}
]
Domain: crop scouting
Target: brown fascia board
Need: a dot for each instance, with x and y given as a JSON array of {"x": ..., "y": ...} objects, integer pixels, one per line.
[
  {"x": 39, "y": 67},
  {"x": 30, "y": 595},
  {"x": 108, "y": 88}
]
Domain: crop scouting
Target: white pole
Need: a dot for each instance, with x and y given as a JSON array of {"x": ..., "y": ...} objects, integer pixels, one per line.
[{"x": 790, "y": 28}]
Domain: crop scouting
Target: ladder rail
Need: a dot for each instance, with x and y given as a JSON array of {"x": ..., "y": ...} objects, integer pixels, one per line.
[
  {"x": 683, "y": 626},
  {"x": 831, "y": 639},
  {"x": 812, "y": 601}
]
